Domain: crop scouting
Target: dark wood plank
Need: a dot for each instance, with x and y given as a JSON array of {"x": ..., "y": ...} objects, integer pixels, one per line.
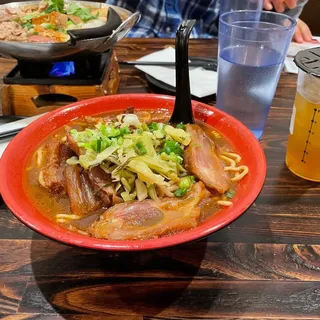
[
  {"x": 201, "y": 260},
  {"x": 41, "y": 316},
  {"x": 213, "y": 317},
  {"x": 179, "y": 298},
  {"x": 11, "y": 291},
  {"x": 12, "y": 228}
]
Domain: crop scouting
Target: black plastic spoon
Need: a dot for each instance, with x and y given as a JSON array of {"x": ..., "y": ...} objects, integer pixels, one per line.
[{"x": 182, "y": 112}]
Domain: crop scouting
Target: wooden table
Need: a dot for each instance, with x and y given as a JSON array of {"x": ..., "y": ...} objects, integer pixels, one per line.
[{"x": 265, "y": 265}]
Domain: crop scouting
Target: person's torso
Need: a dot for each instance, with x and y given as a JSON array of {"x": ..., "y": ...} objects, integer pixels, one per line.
[{"x": 160, "y": 18}]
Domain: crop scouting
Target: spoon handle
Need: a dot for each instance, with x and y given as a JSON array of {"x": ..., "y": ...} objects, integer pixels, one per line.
[{"x": 182, "y": 111}]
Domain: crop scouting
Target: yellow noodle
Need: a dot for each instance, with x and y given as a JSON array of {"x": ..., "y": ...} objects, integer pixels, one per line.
[
  {"x": 61, "y": 220},
  {"x": 39, "y": 157},
  {"x": 233, "y": 156},
  {"x": 67, "y": 216},
  {"x": 216, "y": 134},
  {"x": 41, "y": 178},
  {"x": 82, "y": 232},
  {"x": 228, "y": 160},
  {"x": 225, "y": 203},
  {"x": 241, "y": 172},
  {"x": 236, "y": 178},
  {"x": 235, "y": 169},
  {"x": 240, "y": 176}
]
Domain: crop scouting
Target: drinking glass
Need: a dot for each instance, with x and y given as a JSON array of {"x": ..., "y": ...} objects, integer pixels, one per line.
[
  {"x": 295, "y": 12},
  {"x": 252, "y": 48},
  {"x": 303, "y": 149},
  {"x": 231, "y": 5}
]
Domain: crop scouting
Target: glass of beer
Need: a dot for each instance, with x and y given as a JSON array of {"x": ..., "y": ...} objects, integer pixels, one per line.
[{"x": 303, "y": 151}]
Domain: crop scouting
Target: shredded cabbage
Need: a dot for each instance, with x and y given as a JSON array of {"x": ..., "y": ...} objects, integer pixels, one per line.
[{"x": 141, "y": 159}]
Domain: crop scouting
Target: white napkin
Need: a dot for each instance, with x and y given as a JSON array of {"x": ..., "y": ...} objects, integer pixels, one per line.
[
  {"x": 3, "y": 145},
  {"x": 202, "y": 82},
  {"x": 294, "y": 48},
  {"x": 12, "y": 126}
]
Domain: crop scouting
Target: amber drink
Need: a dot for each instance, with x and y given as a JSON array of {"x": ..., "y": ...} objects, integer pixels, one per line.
[{"x": 303, "y": 151}]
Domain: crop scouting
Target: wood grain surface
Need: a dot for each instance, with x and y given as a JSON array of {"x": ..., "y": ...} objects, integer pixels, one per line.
[{"x": 265, "y": 265}]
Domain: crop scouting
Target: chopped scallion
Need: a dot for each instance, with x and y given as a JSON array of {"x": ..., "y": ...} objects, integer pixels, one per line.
[
  {"x": 181, "y": 126},
  {"x": 172, "y": 147},
  {"x": 141, "y": 148},
  {"x": 179, "y": 193},
  {"x": 124, "y": 130},
  {"x": 230, "y": 193},
  {"x": 186, "y": 182},
  {"x": 120, "y": 141},
  {"x": 153, "y": 126}
]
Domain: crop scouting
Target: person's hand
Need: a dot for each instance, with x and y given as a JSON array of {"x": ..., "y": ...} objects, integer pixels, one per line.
[
  {"x": 279, "y": 5},
  {"x": 302, "y": 33}
]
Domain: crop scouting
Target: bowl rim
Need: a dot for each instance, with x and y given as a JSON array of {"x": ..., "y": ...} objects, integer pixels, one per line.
[{"x": 63, "y": 235}]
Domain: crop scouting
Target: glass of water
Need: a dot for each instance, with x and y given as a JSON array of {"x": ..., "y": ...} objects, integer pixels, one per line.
[
  {"x": 252, "y": 49},
  {"x": 232, "y": 5}
]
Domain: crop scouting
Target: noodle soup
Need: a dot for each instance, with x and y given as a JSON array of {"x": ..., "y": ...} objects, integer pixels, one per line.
[{"x": 132, "y": 176}]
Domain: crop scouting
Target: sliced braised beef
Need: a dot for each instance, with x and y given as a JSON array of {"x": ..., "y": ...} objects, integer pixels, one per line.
[
  {"x": 129, "y": 110},
  {"x": 65, "y": 153},
  {"x": 101, "y": 183},
  {"x": 149, "y": 117},
  {"x": 158, "y": 116},
  {"x": 81, "y": 195},
  {"x": 143, "y": 116},
  {"x": 201, "y": 159},
  {"x": 72, "y": 144},
  {"x": 51, "y": 174},
  {"x": 149, "y": 219},
  {"x": 116, "y": 199},
  {"x": 92, "y": 121}
]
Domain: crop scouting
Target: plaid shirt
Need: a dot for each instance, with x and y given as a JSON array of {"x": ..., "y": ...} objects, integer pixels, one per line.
[{"x": 160, "y": 18}]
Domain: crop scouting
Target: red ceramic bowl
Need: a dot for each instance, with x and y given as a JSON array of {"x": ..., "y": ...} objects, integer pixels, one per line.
[{"x": 20, "y": 149}]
